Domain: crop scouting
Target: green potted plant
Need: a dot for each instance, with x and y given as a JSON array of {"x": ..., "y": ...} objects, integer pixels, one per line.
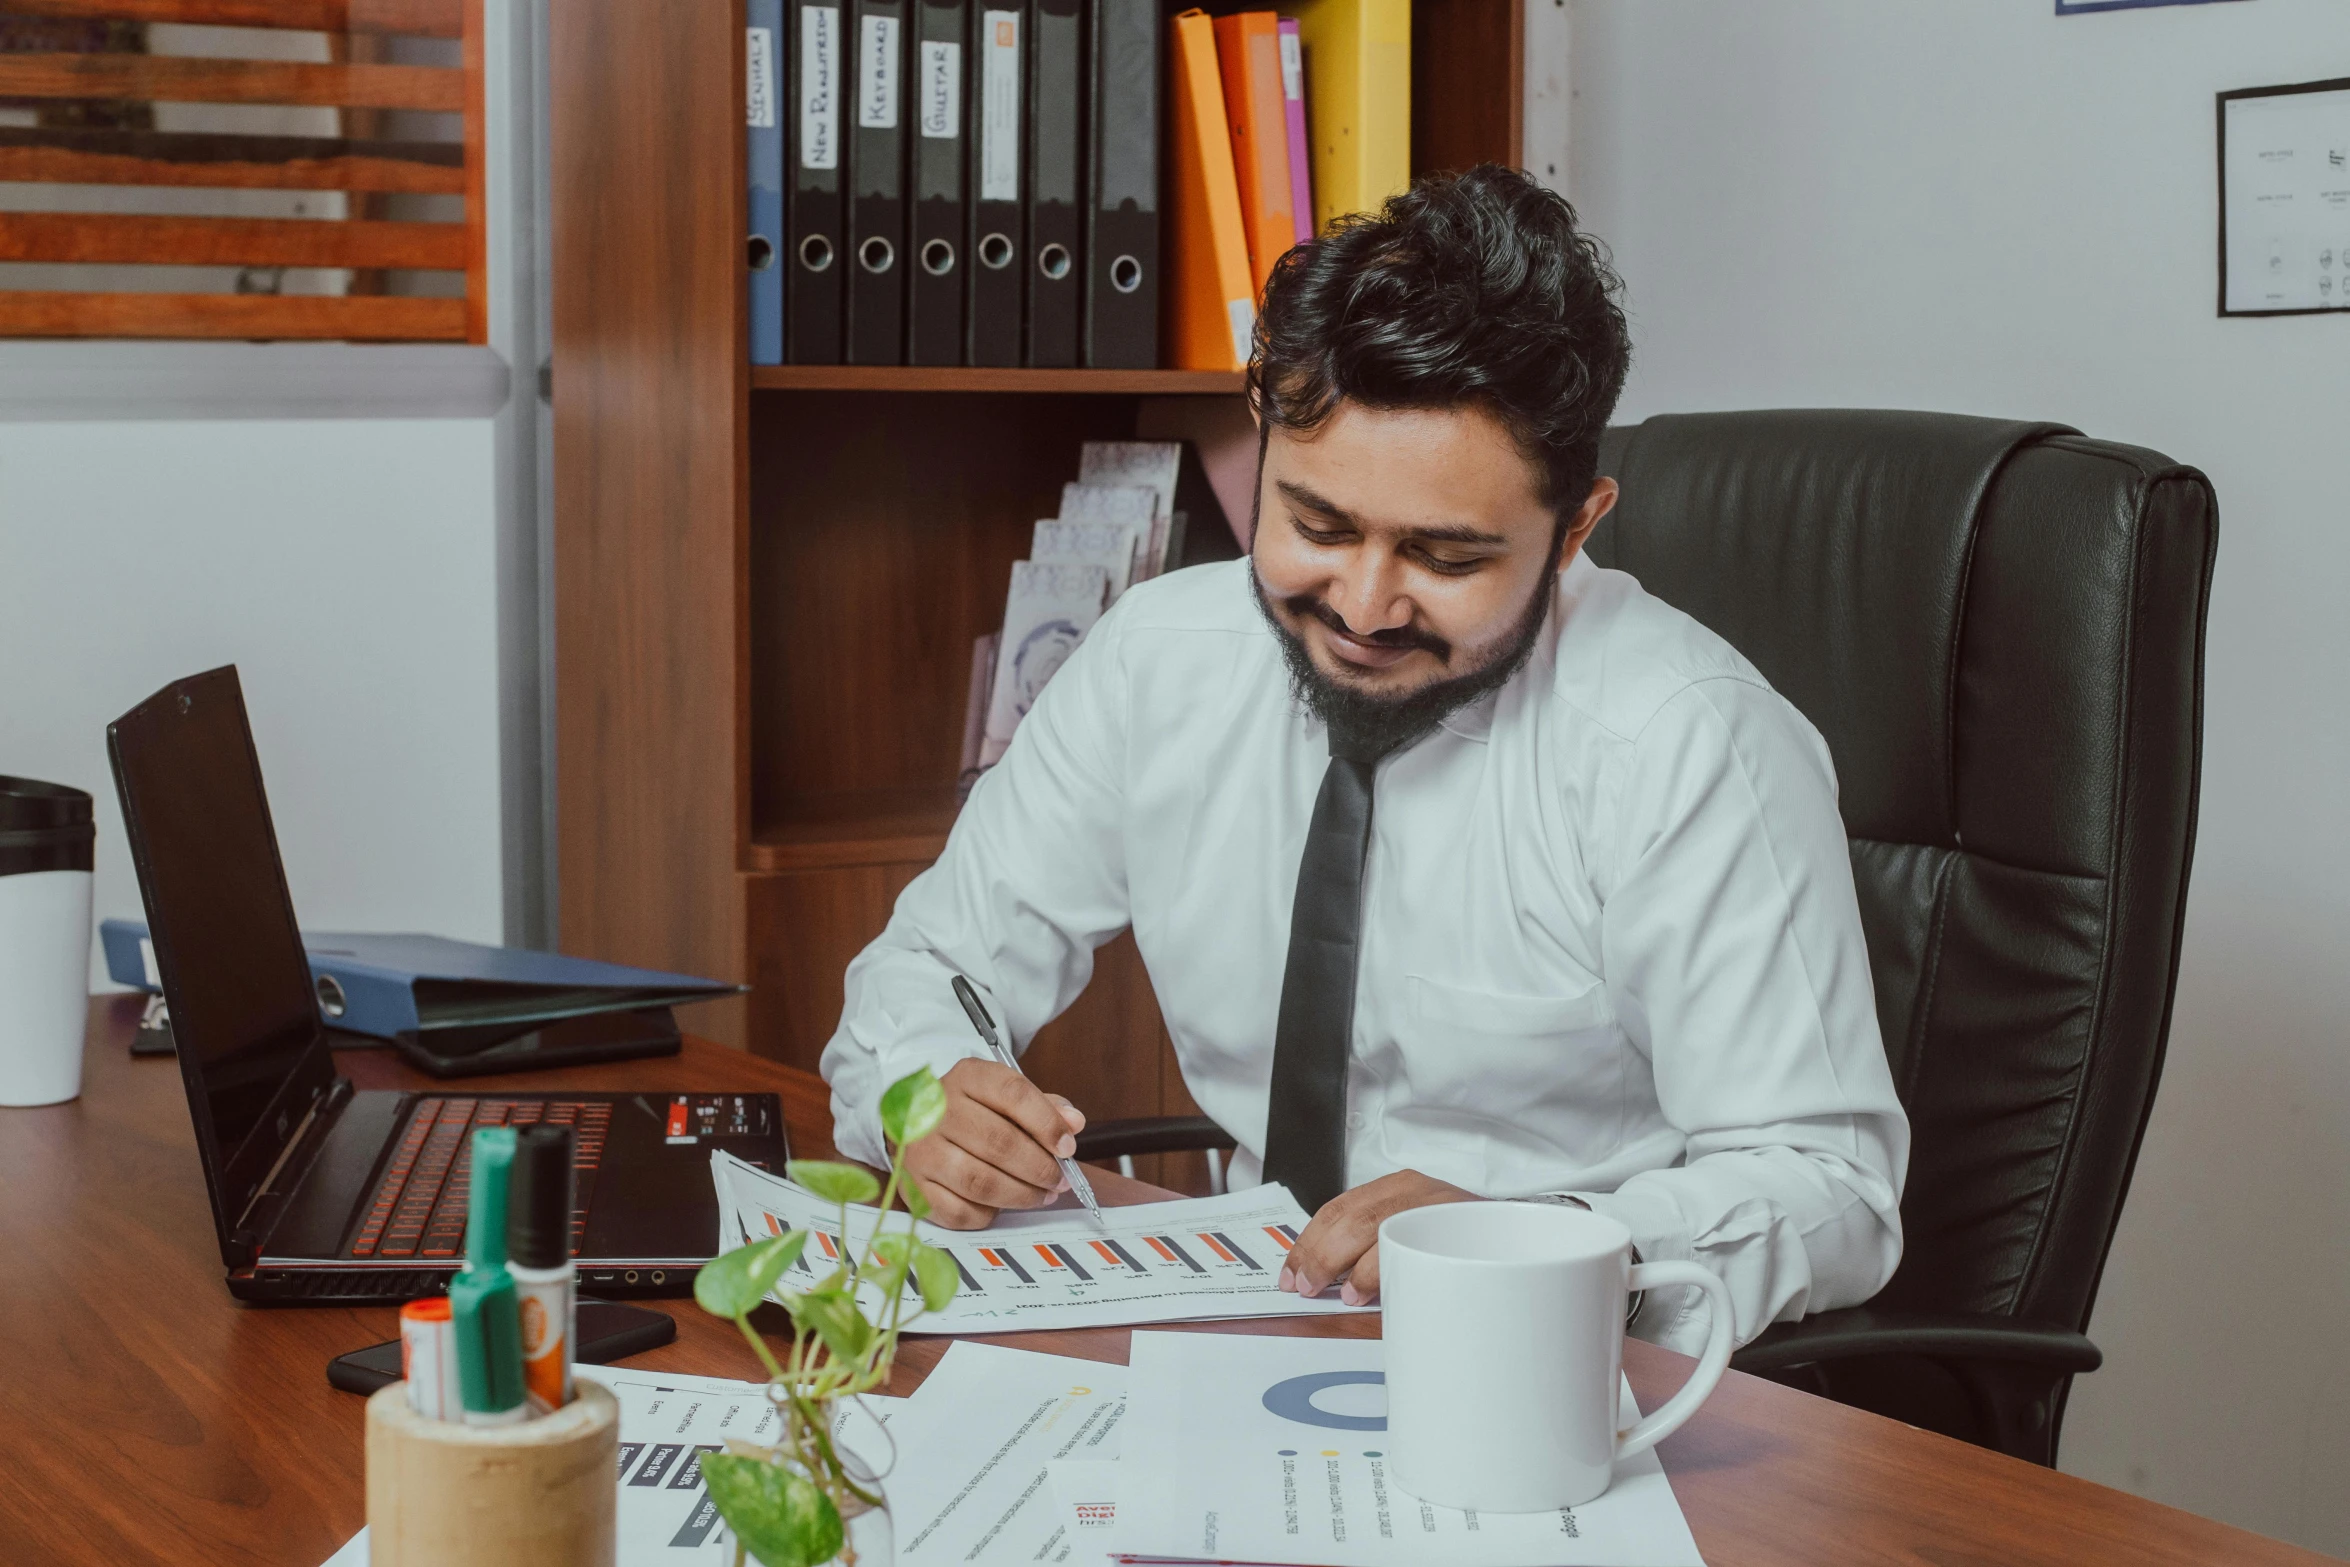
[{"x": 805, "y": 1499}]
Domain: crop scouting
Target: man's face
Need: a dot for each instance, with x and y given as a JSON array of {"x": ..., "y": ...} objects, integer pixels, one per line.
[{"x": 1404, "y": 549}]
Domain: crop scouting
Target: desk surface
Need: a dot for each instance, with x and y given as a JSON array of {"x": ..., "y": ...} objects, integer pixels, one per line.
[{"x": 145, "y": 1416}]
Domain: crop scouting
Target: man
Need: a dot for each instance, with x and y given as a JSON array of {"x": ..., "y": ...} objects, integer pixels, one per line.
[{"x": 1462, "y": 868}]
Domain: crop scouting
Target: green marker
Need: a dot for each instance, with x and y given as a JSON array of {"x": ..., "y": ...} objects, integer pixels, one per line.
[{"x": 487, "y": 1319}]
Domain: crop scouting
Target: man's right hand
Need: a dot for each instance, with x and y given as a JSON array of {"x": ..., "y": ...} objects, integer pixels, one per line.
[{"x": 997, "y": 1147}]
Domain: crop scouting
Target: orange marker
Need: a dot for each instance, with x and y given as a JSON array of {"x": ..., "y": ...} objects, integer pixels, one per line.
[
  {"x": 428, "y": 1358},
  {"x": 538, "y": 1231}
]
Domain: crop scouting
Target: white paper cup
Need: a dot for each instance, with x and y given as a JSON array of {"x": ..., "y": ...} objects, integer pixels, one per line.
[{"x": 46, "y": 834}]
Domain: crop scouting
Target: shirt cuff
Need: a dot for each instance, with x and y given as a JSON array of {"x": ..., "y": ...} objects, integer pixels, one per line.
[
  {"x": 856, "y": 1128},
  {"x": 1654, "y": 1220},
  {"x": 1673, "y": 1314}
]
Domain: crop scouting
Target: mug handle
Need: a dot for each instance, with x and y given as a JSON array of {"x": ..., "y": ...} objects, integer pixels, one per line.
[{"x": 1712, "y": 1361}]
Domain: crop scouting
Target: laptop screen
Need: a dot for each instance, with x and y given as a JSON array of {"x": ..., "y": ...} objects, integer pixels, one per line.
[{"x": 251, "y": 1048}]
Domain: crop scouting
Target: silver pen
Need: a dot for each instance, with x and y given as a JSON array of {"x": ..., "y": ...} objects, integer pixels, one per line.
[{"x": 986, "y": 1026}]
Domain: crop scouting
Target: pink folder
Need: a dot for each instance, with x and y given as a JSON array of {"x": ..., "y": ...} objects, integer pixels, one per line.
[{"x": 1293, "y": 99}]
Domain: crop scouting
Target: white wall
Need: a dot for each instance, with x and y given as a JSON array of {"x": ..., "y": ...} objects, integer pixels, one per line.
[
  {"x": 1985, "y": 208},
  {"x": 347, "y": 567}
]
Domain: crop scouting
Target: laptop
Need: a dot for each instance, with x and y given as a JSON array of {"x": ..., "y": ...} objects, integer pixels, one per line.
[{"x": 323, "y": 1193}]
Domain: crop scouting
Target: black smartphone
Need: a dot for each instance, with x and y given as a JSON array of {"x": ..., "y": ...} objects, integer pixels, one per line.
[{"x": 608, "y": 1331}]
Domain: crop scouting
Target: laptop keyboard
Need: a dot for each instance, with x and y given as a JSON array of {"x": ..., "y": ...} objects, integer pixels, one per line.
[{"x": 418, "y": 1208}]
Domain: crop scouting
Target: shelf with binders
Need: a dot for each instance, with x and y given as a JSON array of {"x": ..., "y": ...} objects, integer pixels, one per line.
[
  {"x": 983, "y": 378},
  {"x": 772, "y": 576}
]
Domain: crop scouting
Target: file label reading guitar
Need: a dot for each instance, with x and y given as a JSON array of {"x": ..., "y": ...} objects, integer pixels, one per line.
[{"x": 1202, "y": 1258}]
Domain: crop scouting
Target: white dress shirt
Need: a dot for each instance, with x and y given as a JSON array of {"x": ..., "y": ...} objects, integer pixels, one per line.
[{"x": 1610, "y": 945}]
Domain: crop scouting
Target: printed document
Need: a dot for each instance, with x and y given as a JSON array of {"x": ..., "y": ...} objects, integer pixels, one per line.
[
  {"x": 1274, "y": 1450},
  {"x": 667, "y": 1421},
  {"x": 978, "y": 1440},
  {"x": 1197, "y": 1259}
]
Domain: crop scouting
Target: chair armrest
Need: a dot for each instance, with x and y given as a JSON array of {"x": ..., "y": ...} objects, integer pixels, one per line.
[
  {"x": 1150, "y": 1134},
  {"x": 1860, "y": 1331}
]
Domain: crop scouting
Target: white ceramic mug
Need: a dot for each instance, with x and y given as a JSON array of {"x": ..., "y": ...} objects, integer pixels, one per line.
[{"x": 1504, "y": 1330}]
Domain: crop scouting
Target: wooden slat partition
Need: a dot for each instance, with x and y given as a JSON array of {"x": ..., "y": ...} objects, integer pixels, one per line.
[
  {"x": 425, "y": 18},
  {"x": 477, "y": 186},
  {"x": 234, "y": 242},
  {"x": 79, "y": 157},
  {"x": 361, "y": 317},
  {"x": 178, "y": 79},
  {"x": 370, "y": 163}
]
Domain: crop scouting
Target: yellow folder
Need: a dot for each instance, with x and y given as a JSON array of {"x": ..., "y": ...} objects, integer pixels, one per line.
[{"x": 1358, "y": 101}]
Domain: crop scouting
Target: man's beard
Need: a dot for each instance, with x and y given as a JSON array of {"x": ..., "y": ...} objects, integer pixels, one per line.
[{"x": 1368, "y": 724}]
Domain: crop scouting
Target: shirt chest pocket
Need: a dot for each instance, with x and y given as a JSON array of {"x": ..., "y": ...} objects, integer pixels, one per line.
[{"x": 1492, "y": 1053}]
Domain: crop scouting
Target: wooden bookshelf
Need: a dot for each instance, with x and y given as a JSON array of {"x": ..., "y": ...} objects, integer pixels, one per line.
[
  {"x": 767, "y": 582},
  {"x": 905, "y": 826}
]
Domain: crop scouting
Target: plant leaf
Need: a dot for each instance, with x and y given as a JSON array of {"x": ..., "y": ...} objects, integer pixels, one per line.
[
  {"x": 936, "y": 1276},
  {"x": 835, "y": 1182},
  {"x": 731, "y": 1285},
  {"x": 834, "y": 1315},
  {"x": 777, "y": 1513},
  {"x": 913, "y": 1107},
  {"x": 888, "y": 1264},
  {"x": 910, "y": 1190}
]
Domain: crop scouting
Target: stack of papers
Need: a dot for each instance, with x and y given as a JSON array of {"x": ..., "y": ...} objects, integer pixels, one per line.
[
  {"x": 1274, "y": 1450},
  {"x": 1210, "y": 1448},
  {"x": 1206, "y": 1258},
  {"x": 1013, "y": 1457}
]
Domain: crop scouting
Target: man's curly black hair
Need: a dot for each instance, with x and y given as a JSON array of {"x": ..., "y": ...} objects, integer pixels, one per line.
[{"x": 1468, "y": 289}]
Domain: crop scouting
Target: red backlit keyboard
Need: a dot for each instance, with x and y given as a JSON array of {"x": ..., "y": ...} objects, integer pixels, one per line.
[{"x": 418, "y": 1209}]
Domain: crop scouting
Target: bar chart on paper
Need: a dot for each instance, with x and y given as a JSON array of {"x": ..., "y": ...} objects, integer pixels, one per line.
[{"x": 1196, "y": 1259}]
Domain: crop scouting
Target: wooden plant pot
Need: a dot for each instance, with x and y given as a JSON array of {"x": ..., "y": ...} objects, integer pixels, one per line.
[{"x": 539, "y": 1494}]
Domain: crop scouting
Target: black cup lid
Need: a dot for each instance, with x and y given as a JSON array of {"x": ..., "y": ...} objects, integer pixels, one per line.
[{"x": 29, "y": 805}]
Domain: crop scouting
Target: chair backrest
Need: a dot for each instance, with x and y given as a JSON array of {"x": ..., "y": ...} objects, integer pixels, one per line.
[{"x": 1998, "y": 627}]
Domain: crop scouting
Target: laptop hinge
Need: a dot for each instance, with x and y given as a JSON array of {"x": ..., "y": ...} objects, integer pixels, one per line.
[{"x": 269, "y": 1199}]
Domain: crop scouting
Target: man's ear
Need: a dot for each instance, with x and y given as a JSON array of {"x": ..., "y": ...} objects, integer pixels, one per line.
[{"x": 1596, "y": 505}]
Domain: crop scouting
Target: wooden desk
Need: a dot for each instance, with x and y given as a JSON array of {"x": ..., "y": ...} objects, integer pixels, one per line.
[{"x": 146, "y": 1417}]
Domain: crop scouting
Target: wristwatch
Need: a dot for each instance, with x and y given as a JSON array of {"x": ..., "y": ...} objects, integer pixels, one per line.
[{"x": 1562, "y": 1200}]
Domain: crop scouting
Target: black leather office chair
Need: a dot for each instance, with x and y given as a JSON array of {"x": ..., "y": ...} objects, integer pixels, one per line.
[{"x": 1998, "y": 627}]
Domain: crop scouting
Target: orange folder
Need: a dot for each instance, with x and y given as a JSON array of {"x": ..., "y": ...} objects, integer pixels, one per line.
[
  {"x": 1210, "y": 309},
  {"x": 1248, "y": 51}
]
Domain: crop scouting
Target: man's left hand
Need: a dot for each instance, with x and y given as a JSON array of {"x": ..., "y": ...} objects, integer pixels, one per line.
[{"x": 1342, "y": 1242}]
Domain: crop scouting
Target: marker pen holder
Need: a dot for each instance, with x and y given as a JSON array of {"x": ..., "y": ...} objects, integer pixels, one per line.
[{"x": 538, "y": 1494}]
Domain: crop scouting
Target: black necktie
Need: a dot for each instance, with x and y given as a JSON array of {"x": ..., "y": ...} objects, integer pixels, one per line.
[{"x": 1305, "y": 1128}]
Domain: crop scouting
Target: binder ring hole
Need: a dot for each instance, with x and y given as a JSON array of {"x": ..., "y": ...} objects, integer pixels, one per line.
[
  {"x": 938, "y": 257},
  {"x": 995, "y": 251},
  {"x": 1125, "y": 274},
  {"x": 762, "y": 252},
  {"x": 332, "y": 1003},
  {"x": 1053, "y": 261},
  {"x": 816, "y": 253},
  {"x": 876, "y": 254}
]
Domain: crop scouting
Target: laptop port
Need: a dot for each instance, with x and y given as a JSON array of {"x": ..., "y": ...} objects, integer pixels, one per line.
[
  {"x": 629, "y": 1277},
  {"x": 659, "y": 1277}
]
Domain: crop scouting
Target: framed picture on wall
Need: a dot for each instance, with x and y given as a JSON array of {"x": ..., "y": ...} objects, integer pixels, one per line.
[{"x": 2284, "y": 199}]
